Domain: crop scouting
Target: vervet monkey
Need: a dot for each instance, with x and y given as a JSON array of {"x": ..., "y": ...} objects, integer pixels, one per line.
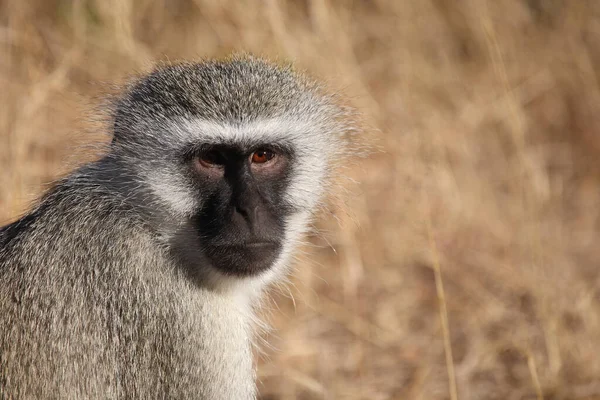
[{"x": 137, "y": 275}]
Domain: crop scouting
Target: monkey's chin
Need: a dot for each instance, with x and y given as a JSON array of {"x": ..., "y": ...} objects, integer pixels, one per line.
[{"x": 243, "y": 260}]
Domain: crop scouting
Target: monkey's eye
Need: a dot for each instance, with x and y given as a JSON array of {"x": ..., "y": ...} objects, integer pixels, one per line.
[
  {"x": 211, "y": 159},
  {"x": 262, "y": 156}
]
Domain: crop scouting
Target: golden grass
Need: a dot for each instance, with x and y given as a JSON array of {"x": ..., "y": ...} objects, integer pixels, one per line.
[{"x": 489, "y": 185}]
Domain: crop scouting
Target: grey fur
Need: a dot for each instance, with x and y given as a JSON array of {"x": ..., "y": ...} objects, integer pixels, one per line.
[{"x": 102, "y": 294}]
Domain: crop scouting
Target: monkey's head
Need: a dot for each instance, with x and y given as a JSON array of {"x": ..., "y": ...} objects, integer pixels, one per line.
[{"x": 231, "y": 160}]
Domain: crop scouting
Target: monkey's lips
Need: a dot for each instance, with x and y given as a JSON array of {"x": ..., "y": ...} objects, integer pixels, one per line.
[
  {"x": 243, "y": 259},
  {"x": 259, "y": 244}
]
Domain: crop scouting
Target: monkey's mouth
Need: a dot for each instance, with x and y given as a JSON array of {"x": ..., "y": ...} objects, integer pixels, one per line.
[
  {"x": 243, "y": 259},
  {"x": 259, "y": 244}
]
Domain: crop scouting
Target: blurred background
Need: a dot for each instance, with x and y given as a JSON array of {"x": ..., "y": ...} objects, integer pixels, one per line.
[{"x": 466, "y": 262}]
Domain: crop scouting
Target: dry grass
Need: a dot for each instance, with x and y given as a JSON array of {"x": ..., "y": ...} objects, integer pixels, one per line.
[{"x": 488, "y": 112}]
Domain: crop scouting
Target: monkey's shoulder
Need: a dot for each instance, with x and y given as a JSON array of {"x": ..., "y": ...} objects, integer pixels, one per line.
[
  {"x": 73, "y": 216},
  {"x": 11, "y": 231}
]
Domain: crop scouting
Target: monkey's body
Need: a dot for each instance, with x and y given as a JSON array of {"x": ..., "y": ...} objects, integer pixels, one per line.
[
  {"x": 137, "y": 275},
  {"x": 85, "y": 317}
]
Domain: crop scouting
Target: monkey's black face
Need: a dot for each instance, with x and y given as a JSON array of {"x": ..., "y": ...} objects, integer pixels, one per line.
[{"x": 241, "y": 223}]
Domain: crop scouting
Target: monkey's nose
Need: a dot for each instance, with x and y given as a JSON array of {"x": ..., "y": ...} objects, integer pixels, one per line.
[{"x": 251, "y": 215}]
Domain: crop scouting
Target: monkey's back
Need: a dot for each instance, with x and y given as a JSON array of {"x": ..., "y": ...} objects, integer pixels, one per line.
[{"x": 91, "y": 306}]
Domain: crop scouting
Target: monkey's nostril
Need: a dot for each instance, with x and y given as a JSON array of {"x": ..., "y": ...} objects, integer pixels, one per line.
[
  {"x": 240, "y": 210},
  {"x": 251, "y": 213}
]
